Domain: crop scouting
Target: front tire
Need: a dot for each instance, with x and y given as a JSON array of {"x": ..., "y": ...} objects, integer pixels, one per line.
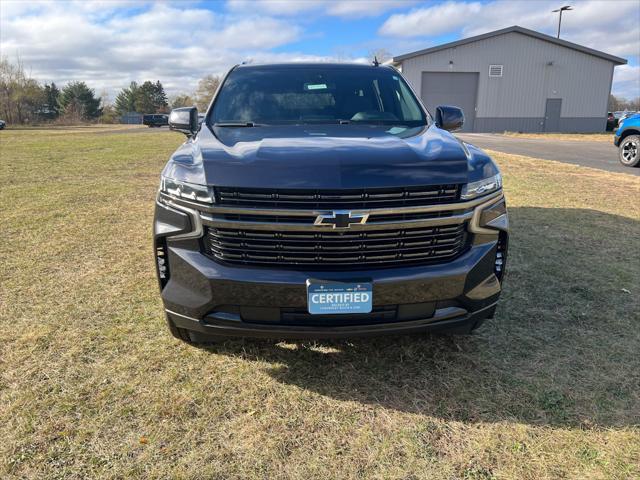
[
  {"x": 629, "y": 151},
  {"x": 192, "y": 338},
  {"x": 179, "y": 333}
]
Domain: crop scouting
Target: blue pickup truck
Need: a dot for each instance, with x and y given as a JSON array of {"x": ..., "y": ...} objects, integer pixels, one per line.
[{"x": 627, "y": 139}]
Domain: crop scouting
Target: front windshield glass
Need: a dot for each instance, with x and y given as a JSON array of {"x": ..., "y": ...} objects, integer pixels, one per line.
[{"x": 303, "y": 94}]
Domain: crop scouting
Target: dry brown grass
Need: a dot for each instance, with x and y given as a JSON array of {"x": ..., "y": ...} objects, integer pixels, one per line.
[
  {"x": 66, "y": 129},
  {"x": 92, "y": 385},
  {"x": 576, "y": 137}
]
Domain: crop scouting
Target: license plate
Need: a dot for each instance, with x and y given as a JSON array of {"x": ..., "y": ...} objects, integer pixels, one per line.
[{"x": 326, "y": 298}]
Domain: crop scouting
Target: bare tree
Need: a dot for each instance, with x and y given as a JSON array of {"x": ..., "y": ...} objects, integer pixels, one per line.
[
  {"x": 621, "y": 104},
  {"x": 207, "y": 87},
  {"x": 181, "y": 100},
  {"x": 379, "y": 54},
  {"x": 21, "y": 97}
]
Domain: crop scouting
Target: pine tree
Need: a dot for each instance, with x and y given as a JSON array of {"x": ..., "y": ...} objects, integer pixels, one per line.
[
  {"x": 78, "y": 101},
  {"x": 126, "y": 99},
  {"x": 160, "y": 98},
  {"x": 51, "y": 109},
  {"x": 144, "y": 99}
]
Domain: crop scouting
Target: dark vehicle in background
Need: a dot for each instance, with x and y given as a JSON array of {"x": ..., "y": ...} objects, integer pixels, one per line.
[
  {"x": 155, "y": 120},
  {"x": 2, "y": 124},
  {"x": 323, "y": 200},
  {"x": 612, "y": 122},
  {"x": 627, "y": 139}
]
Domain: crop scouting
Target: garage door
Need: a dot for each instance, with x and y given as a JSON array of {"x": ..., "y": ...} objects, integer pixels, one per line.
[{"x": 451, "y": 88}]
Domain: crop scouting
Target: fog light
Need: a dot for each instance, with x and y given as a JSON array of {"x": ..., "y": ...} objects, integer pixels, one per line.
[
  {"x": 501, "y": 255},
  {"x": 161, "y": 263}
]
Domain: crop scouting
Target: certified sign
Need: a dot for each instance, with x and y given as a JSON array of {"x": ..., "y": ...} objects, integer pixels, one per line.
[{"x": 325, "y": 298}]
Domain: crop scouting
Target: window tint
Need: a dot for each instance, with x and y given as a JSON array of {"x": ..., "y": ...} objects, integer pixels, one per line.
[{"x": 273, "y": 95}]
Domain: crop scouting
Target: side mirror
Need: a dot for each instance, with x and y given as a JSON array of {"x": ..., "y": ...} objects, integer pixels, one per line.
[
  {"x": 184, "y": 120},
  {"x": 449, "y": 118}
]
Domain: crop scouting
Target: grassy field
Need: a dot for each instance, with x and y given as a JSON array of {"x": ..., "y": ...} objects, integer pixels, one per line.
[
  {"x": 92, "y": 385},
  {"x": 576, "y": 137}
]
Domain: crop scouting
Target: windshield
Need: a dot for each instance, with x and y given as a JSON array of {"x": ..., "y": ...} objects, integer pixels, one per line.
[{"x": 290, "y": 94}]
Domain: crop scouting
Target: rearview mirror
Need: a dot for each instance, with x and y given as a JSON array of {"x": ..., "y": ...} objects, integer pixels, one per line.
[
  {"x": 449, "y": 118},
  {"x": 184, "y": 120}
]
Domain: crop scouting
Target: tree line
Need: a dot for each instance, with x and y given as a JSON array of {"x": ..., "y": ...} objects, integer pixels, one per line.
[
  {"x": 146, "y": 98},
  {"x": 24, "y": 100},
  {"x": 617, "y": 104}
]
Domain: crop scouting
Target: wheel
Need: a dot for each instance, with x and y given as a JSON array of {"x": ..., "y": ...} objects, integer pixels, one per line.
[
  {"x": 179, "y": 333},
  {"x": 630, "y": 151}
]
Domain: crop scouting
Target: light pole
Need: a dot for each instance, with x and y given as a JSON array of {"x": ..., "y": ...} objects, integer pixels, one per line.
[{"x": 562, "y": 9}]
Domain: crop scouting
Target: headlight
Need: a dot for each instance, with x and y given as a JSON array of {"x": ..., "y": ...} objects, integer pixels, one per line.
[
  {"x": 188, "y": 191},
  {"x": 482, "y": 187}
]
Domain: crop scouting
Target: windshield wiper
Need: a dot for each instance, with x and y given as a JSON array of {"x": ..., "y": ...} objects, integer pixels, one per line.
[{"x": 235, "y": 124}]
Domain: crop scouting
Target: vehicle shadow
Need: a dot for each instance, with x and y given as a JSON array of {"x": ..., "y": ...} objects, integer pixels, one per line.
[{"x": 562, "y": 350}]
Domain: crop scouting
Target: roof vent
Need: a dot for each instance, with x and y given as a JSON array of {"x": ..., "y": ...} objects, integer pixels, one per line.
[{"x": 495, "y": 70}]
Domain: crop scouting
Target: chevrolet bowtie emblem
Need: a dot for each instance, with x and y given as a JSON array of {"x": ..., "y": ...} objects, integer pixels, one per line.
[{"x": 341, "y": 219}]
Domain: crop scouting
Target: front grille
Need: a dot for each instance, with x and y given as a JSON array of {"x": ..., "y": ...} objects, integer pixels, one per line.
[
  {"x": 352, "y": 249},
  {"x": 310, "y": 219},
  {"x": 363, "y": 198}
]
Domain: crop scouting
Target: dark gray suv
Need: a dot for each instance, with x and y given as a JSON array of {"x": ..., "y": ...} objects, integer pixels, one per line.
[{"x": 323, "y": 200}]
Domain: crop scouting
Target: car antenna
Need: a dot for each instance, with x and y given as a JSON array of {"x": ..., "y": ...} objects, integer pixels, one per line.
[{"x": 375, "y": 61}]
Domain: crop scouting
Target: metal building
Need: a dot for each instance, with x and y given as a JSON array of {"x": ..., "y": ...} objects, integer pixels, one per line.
[
  {"x": 131, "y": 118},
  {"x": 515, "y": 79}
]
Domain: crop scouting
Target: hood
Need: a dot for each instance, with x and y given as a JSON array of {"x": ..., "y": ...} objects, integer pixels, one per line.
[{"x": 327, "y": 157}]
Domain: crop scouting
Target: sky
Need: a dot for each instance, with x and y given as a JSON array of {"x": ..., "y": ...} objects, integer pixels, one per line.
[{"x": 109, "y": 43}]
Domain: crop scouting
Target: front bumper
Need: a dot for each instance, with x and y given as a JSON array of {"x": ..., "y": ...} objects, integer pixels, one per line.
[
  {"x": 209, "y": 297},
  {"x": 445, "y": 319},
  {"x": 616, "y": 140}
]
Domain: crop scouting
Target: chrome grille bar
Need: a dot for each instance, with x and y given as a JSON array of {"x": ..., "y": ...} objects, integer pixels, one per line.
[
  {"x": 218, "y": 209},
  {"x": 299, "y": 226},
  {"x": 337, "y": 199}
]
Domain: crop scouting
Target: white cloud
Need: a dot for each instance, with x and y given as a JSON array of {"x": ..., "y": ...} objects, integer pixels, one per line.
[
  {"x": 626, "y": 81},
  {"x": 344, "y": 8},
  {"x": 365, "y": 8},
  {"x": 431, "y": 21},
  {"x": 263, "y": 33},
  {"x": 612, "y": 26},
  {"x": 109, "y": 43},
  {"x": 108, "y": 47},
  {"x": 275, "y": 7}
]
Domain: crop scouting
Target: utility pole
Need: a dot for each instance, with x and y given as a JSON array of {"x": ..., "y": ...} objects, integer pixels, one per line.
[{"x": 566, "y": 7}]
